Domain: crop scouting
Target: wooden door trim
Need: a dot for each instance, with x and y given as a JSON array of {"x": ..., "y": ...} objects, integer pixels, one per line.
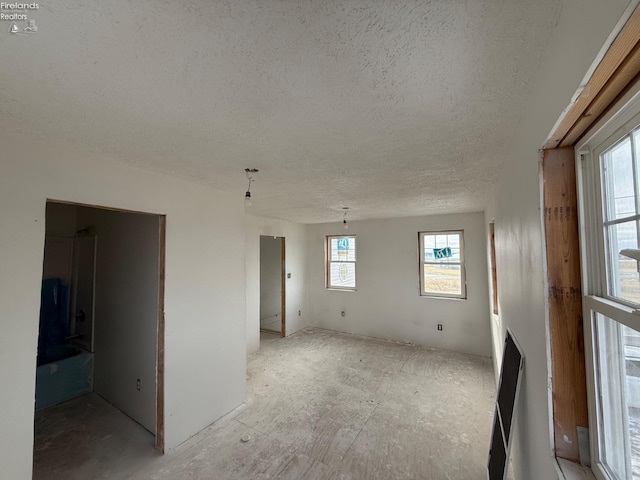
[
  {"x": 283, "y": 327},
  {"x": 162, "y": 227}
]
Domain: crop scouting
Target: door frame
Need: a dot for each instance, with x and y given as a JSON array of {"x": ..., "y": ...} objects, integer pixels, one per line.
[
  {"x": 283, "y": 283},
  {"x": 160, "y": 343},
  {"x": 162, "y": 233},
  {"x": 283, "y": 290}
]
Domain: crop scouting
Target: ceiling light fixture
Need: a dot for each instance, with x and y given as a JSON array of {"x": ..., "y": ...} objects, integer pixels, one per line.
[
  {"x": 344, "y": 217},
  {"x": 247, "y": 196}
]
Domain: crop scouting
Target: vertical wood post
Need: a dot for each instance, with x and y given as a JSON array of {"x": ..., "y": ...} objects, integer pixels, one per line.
[
  {"x": 570, "y": 409},
  {"x": 162, "y": 227},
  {"x": 494, "y": 266},
  {"x": 283, "y": 266}
]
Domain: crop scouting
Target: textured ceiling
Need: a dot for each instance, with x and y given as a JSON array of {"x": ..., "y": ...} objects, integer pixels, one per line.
[{"x": 393, "y": 108}]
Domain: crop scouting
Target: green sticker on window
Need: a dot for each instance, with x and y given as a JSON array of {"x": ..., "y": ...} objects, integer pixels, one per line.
[{"x": 442, "y": 252}]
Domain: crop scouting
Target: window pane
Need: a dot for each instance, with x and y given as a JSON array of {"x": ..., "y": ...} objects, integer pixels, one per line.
[
  {"x": 631, "y": 341},
  {"x": 441, "y": 241},
  {"x": 442, "y": 248},
  {"x": 428, "y": 255},
  {"x": 636, "y": 140},
  {"x": 443, "y": 279},
  {"x": 343, "y": 249},
  {"x": 429, "y": 242},
  {"x": 455, "y": 256},
  {"x": 618, "y": 382},
  {"x": 342, "y": 275},
  {"x": 622, "y": 271},
  {"x": 619, "y": 190}
]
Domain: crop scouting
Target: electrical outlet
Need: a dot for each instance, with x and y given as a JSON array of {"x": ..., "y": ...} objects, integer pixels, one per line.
[
  {"x": 440, "y": 326},
  {"x": 299, "y": 312},
  {"x": 343, "y": 313},
  {"x": 138, "y": 385}
]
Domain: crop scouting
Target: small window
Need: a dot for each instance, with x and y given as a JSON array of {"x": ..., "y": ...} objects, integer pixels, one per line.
[
  {"x": 442, "y": 264},
  {"x": 341, "y": 262}
]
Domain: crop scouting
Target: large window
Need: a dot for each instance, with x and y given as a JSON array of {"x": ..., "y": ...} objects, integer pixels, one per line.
[
  {"x": 618, "y": 381},
  {"x": 619, "y": 171},
  {"x": 341, "y": 262},
  {"x": 442, "y": 264},
  {"x": 610, "y": 205}
]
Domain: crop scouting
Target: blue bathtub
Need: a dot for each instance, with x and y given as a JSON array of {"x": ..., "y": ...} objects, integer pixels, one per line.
[{"x": 67, "y": 373}]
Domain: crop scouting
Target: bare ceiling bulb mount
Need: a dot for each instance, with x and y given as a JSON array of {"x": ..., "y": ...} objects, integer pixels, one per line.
[
  {"x": 249, "y": 172},
  {"x": 345, "y": 224}
]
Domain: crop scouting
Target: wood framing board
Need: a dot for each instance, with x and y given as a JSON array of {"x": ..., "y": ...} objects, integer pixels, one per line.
[
  {"x": 283, "y": 309},
  {"x": 162, "y": 222},
  {"x": 494, "y": 267},
  {"x": 570, "y": 409},
  {"x": 616, "y": 87},
  {"x": 616, "y": 69}
]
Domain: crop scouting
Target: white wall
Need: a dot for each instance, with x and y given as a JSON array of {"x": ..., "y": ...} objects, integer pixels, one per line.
[
  {"x": 205, "y": 358},
  {"x": 582, "y": 29},
  {"x": 295, "y": 287},
  {"x": 387, "y": 303},
  {"x": 126, "y": 310},
  {"x": 270, "y": 282}
]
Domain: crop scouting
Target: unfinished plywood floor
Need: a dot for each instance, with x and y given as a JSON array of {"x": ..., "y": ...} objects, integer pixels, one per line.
[
  {"x": 86, "y": 438},
  {"x": 328, "y": 406}
]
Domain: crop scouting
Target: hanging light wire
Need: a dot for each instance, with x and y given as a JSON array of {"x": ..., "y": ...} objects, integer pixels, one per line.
[{"x": 247, "y": 196}]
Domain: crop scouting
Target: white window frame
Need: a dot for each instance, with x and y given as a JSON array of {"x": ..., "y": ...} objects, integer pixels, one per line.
[
  {"x": 620, "y": 121},
  {"x": 422, "y": 263},
  {"x": 328, "y": 262}
]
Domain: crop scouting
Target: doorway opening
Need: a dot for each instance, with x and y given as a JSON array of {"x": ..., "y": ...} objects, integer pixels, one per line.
[
  {"x": 101, "y": 334},
  {"x": 272, "y": 285}
]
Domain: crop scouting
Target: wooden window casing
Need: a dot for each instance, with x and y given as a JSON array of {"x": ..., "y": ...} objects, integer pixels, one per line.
[{"x": 615, "y": 73}]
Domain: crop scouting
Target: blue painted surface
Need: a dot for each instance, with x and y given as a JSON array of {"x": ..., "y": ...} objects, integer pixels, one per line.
[
  {"x": 343, "y": 243},
  {"x": 54, "y": 317},
  {"x": 64, "y": 379},
  {"x": 55, "y": 353},
  {"x": 442, "y": 252}
]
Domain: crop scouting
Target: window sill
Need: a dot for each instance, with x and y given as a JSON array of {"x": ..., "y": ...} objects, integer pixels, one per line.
[
  {"x": 572, "y": 471},
  {"x": 340, "y": 289},
  {"x": 442, "y": 297}
]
